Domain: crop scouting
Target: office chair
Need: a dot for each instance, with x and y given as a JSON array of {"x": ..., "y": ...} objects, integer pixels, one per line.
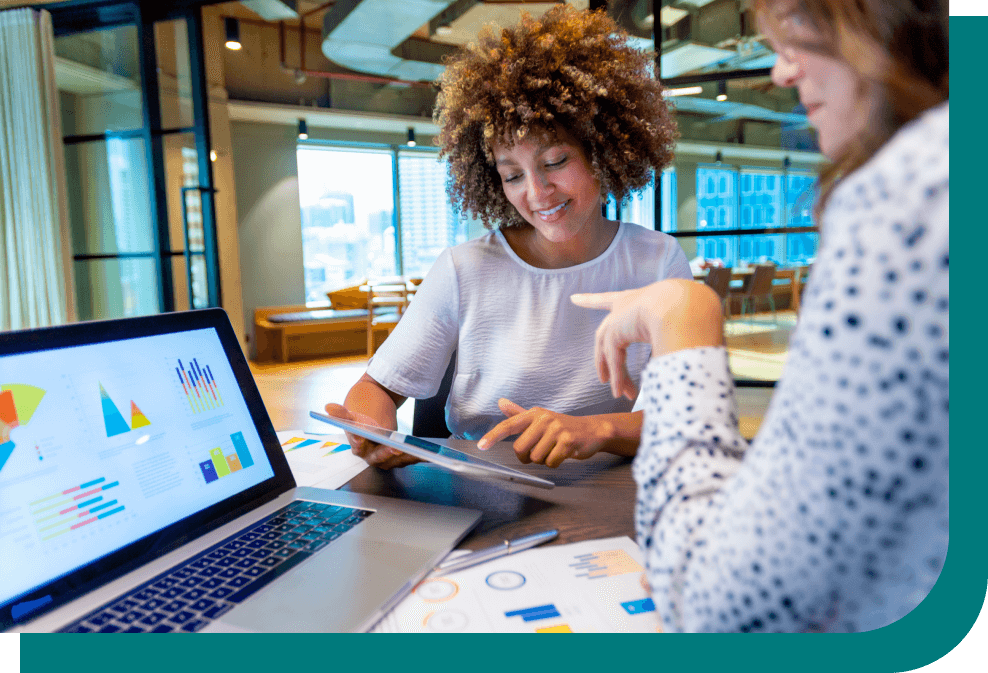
[
  {"x": 759, "y": 285},
  {"x": 429, "y": 415},
  {"x": 719, "y": 280}
]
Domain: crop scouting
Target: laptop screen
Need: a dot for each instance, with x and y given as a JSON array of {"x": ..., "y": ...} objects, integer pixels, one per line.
[{"x": 104, "y": 444}]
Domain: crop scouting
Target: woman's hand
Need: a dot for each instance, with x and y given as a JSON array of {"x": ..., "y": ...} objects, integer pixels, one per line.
[
  {"x": 375, "y": 454},
  {"x": 671, "y": 315},
  {"x": 548, "y": 437}
]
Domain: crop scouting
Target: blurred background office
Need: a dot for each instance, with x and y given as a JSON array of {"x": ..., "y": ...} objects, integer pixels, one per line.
[{"x": 260, "y": 154}]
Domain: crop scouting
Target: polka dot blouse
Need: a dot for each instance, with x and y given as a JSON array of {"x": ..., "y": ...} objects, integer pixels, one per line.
[{"x": 835, "y": 517}]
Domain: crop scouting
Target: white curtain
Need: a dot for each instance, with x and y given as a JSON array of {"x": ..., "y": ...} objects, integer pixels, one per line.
[{"x": 35, "y": 248}]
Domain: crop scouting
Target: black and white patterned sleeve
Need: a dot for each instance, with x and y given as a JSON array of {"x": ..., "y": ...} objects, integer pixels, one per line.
[{"x": 835, "y": 517}]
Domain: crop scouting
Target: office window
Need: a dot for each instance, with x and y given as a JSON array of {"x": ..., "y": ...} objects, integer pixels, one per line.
[
  {"x": 428, "y": 223},
  {"x": 347, "y": 203},
  {"x": 755, "y": 198},
  {"x": 639, "y": 208}
]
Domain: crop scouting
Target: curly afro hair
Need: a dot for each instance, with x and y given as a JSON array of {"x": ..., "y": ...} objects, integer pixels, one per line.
[{"x": 571, "y": 70}]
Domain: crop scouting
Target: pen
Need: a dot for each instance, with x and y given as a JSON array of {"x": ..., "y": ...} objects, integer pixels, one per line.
[{"x": 497, "y": 551}]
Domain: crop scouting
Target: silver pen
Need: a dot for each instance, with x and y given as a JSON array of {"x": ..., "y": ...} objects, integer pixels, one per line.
[{"x": 497, "y": 551}]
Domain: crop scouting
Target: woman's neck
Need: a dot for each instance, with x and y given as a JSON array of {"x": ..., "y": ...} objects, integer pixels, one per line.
[{"x": 542, "y": 253}]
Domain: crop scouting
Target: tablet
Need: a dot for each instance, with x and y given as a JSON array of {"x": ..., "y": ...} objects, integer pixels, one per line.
[{"x": 451, "y": 459}]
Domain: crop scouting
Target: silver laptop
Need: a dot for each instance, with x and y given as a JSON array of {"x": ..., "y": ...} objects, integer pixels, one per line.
[{"x": 143, "y": 489}]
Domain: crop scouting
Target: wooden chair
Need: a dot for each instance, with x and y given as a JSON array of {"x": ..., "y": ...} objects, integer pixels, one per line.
[
  {"x": 718, "y": 279},
  {"x": 759, "y": 285},
  {"x": 383, "y": 294}
]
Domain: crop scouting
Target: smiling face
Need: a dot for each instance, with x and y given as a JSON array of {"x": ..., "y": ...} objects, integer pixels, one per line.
[
  {"x": 829, "y": 89},
  {"x": 550, "y": 183}
]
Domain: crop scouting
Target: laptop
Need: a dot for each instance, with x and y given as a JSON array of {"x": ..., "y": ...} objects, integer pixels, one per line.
[
  {"x": 446, "y": 457},
  {"x": 143, "y": 489}
]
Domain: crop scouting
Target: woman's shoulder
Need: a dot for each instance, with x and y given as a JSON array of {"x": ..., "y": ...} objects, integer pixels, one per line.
[{"x": 639, "y": 238}]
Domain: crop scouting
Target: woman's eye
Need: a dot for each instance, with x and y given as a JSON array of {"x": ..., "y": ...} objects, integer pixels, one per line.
[
  {"x": 511, "y": 178},
  {"x": 556, "y": 164}
]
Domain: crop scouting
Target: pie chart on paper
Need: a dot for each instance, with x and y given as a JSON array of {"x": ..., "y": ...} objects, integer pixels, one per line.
[{"x": 18, "y": 402}]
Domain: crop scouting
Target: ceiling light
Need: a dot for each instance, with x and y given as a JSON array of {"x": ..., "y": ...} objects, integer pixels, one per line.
[
  {"x": 444, "y": 29},
  {"x": 303, "y": 130},
  {"x": 232, "y": 33},
  {"x": 683, "y": 91},
  {"x": 721, "y": 90},
  {"x": 411, "y": 137},
  {"x": 212, "y": 155}
]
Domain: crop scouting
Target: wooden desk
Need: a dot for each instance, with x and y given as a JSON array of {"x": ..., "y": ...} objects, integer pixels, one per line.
[{"x": 592, "y": 499}]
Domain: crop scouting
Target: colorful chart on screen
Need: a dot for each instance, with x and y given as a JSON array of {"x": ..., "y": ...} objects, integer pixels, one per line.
[
  {"x": 77, "y": 507},
  {"x": 18, "y": 402},
  {"x": 202, "y": 394},
  {"x": 114, "y": 421},
  {"x": 222, "y": 464}
]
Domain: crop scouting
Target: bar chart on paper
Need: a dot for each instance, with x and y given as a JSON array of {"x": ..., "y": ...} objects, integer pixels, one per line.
[
  {"x": 583, "y": 587},
  {"x": 222, "y": 464}
]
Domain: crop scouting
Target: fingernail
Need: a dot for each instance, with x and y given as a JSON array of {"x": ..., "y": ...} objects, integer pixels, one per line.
[{"x": 483, "y": 444}]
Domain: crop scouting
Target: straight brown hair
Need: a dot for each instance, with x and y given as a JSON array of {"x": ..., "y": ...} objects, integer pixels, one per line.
[{"x": 897, "y": 47}]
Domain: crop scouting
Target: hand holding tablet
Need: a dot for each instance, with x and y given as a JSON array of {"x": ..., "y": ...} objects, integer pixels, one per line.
[{"x": 422, "y": 449}]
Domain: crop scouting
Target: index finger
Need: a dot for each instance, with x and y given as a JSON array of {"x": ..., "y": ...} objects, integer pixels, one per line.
[
  {"x": 509, "y": 426},
  {"x": 604, "y": 300}
]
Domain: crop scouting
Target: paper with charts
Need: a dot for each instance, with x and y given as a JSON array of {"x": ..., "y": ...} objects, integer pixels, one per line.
[
  {"x": 584, "y": 587},
  {"x": 320, "y": 460}
]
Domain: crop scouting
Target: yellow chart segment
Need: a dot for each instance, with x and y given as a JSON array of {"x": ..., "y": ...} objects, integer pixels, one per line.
[
  {"x": 26, "y": 399},
  {"x": 562, "y": 628}
]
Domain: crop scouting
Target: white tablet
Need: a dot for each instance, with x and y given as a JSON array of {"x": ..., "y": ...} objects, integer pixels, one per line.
[{"x": 451, "y": 459}]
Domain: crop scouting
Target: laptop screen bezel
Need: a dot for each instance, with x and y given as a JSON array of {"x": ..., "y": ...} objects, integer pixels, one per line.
[{"x": 61, "y": 590}]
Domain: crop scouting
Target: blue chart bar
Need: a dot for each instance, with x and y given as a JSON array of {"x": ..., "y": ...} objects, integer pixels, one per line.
[
  {"x": 208, "y": 471},
  {"x": 83, "y": 487},
  {"x": 639, "y": 607},
  {"x": 534, "y": 614},
  {"x": 241, "y": 446},
  {"x": 103, "y": 506}
]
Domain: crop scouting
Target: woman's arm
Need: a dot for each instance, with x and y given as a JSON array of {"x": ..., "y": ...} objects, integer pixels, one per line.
[{"x": 371, "y": 403}]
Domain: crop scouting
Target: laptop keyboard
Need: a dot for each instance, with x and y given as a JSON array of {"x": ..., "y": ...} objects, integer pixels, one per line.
[{"x": 186, "y": 598}]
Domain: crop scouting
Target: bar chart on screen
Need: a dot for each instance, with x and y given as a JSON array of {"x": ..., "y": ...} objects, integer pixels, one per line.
[
  {"x": 222, "y": 463},
  {"x": 78, "y": 508},
  {"x": 199, "y": 386}
]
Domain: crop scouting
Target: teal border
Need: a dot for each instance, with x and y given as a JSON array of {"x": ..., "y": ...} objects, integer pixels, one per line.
[{"x": 923, "y": 636}]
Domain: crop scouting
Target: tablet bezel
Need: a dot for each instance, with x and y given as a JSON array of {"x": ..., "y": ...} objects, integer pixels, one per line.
[{"x": 477, "y": 467}]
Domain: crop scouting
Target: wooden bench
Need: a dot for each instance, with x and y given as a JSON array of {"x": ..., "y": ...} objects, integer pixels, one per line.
[{"x": 297, "y": 332}]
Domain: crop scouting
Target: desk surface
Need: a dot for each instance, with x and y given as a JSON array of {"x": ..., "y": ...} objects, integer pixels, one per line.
[{"x": 593, "y": 498}]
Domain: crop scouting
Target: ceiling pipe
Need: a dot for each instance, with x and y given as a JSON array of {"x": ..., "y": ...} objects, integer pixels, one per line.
[{"x": 302, "y": 72}]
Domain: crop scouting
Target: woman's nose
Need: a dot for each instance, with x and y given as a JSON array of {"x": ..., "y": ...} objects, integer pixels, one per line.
[
  {"x": 538, "y": 186},
  {"x": 786, "y": 70}
]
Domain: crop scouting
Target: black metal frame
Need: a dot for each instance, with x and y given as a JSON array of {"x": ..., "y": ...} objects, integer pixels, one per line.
[{"x": 87, "y": 15}]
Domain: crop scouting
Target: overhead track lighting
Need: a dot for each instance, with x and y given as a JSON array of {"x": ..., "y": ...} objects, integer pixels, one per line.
[
  {"x": 232, "y": 33},
  {"x": 303, "y": 130},
  {"x": 411, "y": 136},
  {"x": 721, "y": 90}
]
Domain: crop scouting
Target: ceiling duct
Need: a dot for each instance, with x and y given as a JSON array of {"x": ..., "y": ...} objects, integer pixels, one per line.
[{"x": 362, "y": 34}]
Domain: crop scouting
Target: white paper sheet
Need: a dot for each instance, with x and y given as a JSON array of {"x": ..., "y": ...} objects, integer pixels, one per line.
[
  {"x": 324, "y": 461},
  {"x": 591, "y": 586}
]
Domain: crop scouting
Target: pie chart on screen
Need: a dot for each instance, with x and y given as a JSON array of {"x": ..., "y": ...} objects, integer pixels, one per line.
[{"x": 18, "y": 401}]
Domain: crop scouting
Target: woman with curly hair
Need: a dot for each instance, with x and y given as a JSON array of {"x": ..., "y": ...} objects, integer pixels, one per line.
[{"x": 538, "y": 122}]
